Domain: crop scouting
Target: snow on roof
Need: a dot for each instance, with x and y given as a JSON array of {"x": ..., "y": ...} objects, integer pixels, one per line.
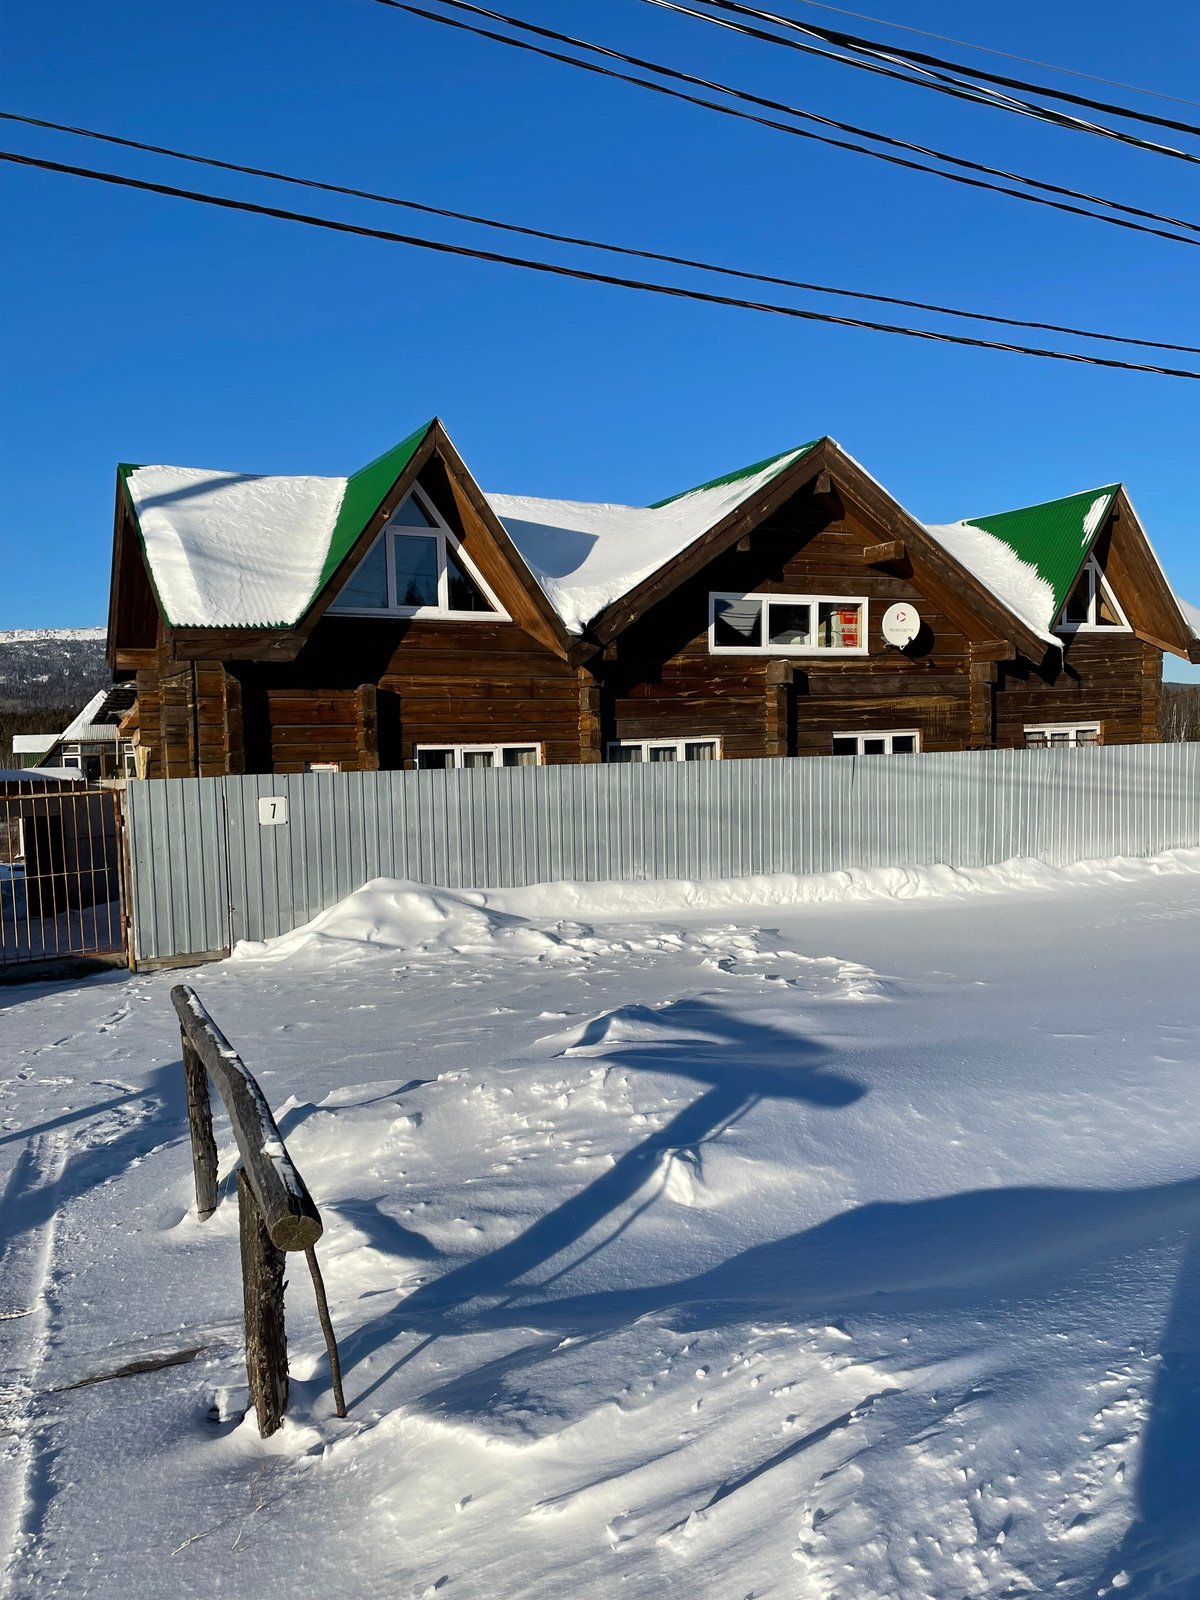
[
  {"x": 33, "y": 744},
  {"x": 84, "y": 719},
  {"x": 586, "y": 556},
  {"x": 1191, "y": 615},
  {"x": 229, "y": 550},
  {"x": 1016, "y": 583},
  {"x": 40, "y": 775}
]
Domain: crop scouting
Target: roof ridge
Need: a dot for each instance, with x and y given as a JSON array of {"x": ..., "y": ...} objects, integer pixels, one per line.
[
  {"x": 750, "y": 471},
  {"x": 1040, "y": 505}
]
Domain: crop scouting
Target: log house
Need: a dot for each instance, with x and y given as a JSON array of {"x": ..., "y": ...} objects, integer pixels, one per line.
[{"x": 402, "y": 618}]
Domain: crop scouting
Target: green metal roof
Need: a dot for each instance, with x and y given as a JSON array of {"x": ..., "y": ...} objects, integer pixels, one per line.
[
  {"x": 365, "y": 492},
  {"x": 796, "y": 452},
  {"x": 1054, "y": 537},
  {"x": 362, "y": 497}
]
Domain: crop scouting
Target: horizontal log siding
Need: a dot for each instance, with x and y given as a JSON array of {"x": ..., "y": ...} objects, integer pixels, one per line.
[
  {"x": 310, "y": 725},
  {"x": 1111, "y": 679},
  {"x": 482, "y": 683},
  {"x": 772, "y": 705},
  {"x": 366, "y": 692}
]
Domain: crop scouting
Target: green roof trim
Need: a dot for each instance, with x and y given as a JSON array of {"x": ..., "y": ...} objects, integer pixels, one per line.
[
  {"x": 798, "y": 451},
  {"x": 366, "y": 490},
  {"x": 1054, "y": 537}
]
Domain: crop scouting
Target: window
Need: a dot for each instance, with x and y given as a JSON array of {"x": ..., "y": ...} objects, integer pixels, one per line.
[
  {"x": 904, "y": 743},
  {"x": 1062, "y": 733},
  {"x": 1091, "y": 604},
  {"x": 627, "y": 750},
  {"x": 786, "y": 624},
  {"x": 416, "y": 569},
  {"x": 442, "y": 757}
]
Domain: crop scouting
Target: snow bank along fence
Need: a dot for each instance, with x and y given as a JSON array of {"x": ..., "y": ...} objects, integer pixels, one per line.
[
  {"x": 276, "y": 1213},
  {"x": 218, "y": 860}
]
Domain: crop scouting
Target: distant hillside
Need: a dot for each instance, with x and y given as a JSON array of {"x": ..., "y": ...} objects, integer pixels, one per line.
[{"x": 46, "y": 676}]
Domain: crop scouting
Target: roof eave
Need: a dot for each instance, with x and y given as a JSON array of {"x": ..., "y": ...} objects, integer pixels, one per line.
[
  {"x": 1185, "y": 644},
  {"x": 980, "y": 599},
  {"x": 623, "y": 612}
]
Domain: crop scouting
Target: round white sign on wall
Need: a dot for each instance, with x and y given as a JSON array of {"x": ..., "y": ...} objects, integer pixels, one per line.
[{"x": 901, "y": 624}]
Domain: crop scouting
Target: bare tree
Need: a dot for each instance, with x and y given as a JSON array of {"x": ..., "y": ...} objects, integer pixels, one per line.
[{"x": 1180, "y": 711}]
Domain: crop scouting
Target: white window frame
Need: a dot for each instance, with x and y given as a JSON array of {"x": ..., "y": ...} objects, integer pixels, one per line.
[
  {"x": 496, "y": 750},
  {"x": 441, "y": 533},
  {"x": 1097, "y": 584},
  {"x": 769, "y": 649},
  {"x": 887, "y": 734},
  {"x": 1073, "y": 728},
  {"x": 678, "y": 745}
]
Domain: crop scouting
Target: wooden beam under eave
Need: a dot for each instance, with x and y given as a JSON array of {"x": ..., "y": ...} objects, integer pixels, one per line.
[
  {"x": 134, "y": 660},
  {"x": 1194, "y": 651},
  {"x": 880, "y": 555},
  {"x": 235, "y": 644},
  {"x": 1161, "y": 644}
]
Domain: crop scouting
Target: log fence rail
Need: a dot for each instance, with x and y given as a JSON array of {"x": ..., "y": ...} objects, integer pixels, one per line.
[{"x": 276, "y": 1213}]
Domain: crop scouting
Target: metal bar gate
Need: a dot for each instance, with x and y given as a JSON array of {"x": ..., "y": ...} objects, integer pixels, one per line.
[{"x": 61, "y": 879}]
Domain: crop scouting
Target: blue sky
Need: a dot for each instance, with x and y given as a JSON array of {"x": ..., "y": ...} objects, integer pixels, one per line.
[{"x": 141, "y": 328}]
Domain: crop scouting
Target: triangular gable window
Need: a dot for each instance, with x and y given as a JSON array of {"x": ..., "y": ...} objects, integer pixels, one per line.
[
  {"x": 416, "y": 568},
  {"x": 1091, "y": 604}
]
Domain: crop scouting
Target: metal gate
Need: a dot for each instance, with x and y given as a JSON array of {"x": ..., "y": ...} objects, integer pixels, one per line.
[{"x": 61, "y": 878}]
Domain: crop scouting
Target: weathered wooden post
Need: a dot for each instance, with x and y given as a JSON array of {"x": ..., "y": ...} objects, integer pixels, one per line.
[
  {"x": 262, "y": 1299},
  {"x": 200, "y": 1124},
  {"x": 275, "y": 1210}
]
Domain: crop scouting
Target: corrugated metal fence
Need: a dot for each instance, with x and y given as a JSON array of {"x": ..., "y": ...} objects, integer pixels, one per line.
[{"x": 216, "y": 860}]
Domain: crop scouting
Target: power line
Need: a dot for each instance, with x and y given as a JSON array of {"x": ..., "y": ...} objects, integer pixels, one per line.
[
  {"x": 783, "y": 127},
  {"x": 939, "y": 82},
  {"x": 586, "y": 243},
  {"x": 1007, "y": 55},
  {"x": 672, "y": 291},
  {"x": 851, "y": 41}
]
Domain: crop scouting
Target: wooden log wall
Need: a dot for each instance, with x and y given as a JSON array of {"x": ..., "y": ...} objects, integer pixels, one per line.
[
  {"x": 1113, "y": 679},
  {"x": 365, "y": 692},
  {"x": 665, "y": 683}
]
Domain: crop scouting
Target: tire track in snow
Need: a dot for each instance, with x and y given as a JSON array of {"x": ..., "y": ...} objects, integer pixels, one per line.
[{"x": 25, "y": 1322}]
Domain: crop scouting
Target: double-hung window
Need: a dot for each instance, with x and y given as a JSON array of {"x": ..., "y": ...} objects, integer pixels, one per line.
[
  {"x": 633, "y": 750},
  {"x": 1091, "y": 604},
  {"x": 1047, "y": 734},
  {"x": 893, "y": 743},
  {"x": 787, "y": 625},
  {"x": 416, "y": 568},
  {"x": 467, "y": 756}
]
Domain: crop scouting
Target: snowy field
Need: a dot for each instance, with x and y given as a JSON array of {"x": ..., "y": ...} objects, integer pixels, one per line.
[{"x": 834, "y": 1238}]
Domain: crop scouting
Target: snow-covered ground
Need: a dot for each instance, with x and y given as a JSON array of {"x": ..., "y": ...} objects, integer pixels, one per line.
[{"x": 773, "y": 1239}]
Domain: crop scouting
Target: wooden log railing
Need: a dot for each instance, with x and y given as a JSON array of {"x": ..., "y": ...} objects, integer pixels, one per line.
[{"x": 275, "y": 1210}]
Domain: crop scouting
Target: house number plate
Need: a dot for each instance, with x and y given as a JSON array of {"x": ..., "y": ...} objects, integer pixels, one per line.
[{"x": 272, "y": 810}]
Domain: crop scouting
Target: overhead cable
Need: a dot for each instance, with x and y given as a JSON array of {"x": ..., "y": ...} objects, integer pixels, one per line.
[
  {"x": 852, "y": 41},
  {"x": 676, "y": 75},
  {"x": 579, "y": 274},
  {"x": 926, "y": 78},
  {"x": 588, "y": 244},
  {"x": 1006, "y": 55}
]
